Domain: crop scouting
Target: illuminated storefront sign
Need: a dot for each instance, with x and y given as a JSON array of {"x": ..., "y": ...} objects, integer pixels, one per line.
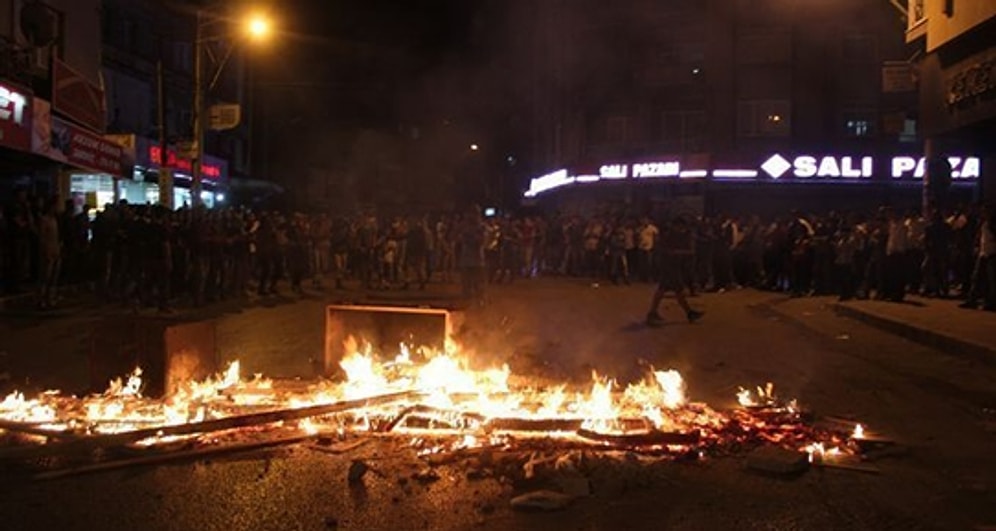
[
  {"x": 775, "y": 168},
  {"x": 208, "y": 171},
  {"x": 806, "y": 166},
  {"x": 548, "y": 182},
  {"x": 15, "y": 118},
  {"x": 964, "y": 168},
  {"x": 640, "y": 170}
]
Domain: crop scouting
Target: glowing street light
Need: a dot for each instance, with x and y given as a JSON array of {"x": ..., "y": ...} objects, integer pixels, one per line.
[{"x": 257, "y": 27}]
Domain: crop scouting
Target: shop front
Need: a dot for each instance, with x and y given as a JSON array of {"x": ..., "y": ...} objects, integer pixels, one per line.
[
  {"x": 91, "y": 164},
  {"x": 766, "y": 183},
  {"x": 19, "y": 168},
  {"x": 148, "y": 183}
]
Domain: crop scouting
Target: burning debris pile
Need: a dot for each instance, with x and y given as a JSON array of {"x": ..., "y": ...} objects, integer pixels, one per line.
[{"x": 433, "y": 401}]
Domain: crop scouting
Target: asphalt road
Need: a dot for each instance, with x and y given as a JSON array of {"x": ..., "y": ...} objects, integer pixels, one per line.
[{"x": 939, "y": 407}]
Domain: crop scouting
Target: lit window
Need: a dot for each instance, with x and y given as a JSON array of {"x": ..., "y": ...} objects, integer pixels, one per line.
[
  {"x": 857, "y": 127},
  {"x": 771, "y": 118},
  {"x": 859, "y": 123}
]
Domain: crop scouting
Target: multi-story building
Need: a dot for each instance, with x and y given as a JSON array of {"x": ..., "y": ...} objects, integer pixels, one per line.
[
  {"x": 727, "y": 105},
  {"x": 93, "y": 93},
  {"x": 51, "y": 102},
  {"x": 955, "y": 42},
  {"x": 148, "y": 69}
]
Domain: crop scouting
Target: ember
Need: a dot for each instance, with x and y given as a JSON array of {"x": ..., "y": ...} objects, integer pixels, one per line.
[{"x": 434, "y": 398}]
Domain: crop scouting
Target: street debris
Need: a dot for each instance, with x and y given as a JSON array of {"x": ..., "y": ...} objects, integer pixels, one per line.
[
  {"x": 541, "y": 500},
  {"x": 778, "y": 461},
  {"x": 357, "y": 469}
]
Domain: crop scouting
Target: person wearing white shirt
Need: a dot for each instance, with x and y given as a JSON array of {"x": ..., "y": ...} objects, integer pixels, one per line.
[
  {"x": 896, "y": 257},
  {"x": 984, "y": 273}
]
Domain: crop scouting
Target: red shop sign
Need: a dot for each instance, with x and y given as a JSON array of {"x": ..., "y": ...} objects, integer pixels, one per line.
[
  {"x": 210, "y": 172},
  {"x": 15, "y": 117}
]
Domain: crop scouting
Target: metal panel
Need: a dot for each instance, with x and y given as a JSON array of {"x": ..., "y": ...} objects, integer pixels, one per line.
[{"x": 384, "y": 327}]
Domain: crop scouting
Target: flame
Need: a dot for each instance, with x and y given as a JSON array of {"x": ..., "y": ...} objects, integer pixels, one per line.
[
  {"x": 455, "y": 399},
  {"x": 859, "y": 432}
]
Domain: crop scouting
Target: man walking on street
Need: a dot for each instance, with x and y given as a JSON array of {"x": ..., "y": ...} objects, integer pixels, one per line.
[{"x": 676, "y": 259}]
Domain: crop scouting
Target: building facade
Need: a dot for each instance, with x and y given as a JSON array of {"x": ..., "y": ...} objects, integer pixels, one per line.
[
  {"x": 955, "y": 42},
  {"x": 728, "y": 105},
  {"x": 148, "y": 68},
  {"x": 53, "y": 105}
]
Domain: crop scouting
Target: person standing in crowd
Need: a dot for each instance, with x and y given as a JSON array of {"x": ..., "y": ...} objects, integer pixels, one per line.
[
  {"x": 936, "y": 245},
  {"x": 618, "y": 261},
  {"x": 896, "y": 264},
  {"x": 417, "y": 260},
  {"x": 846, "y": 244},
  {"x": 49, "y": 254},
  {"x": 676, "y": 260},
  {"x": 340, "y": 238},
  {"x": 527, "y": 239},
  {"x": 915, "y": 228},
  {"x": 984, "y": 272},
  {"x": 297, "y": 251},
  {"x": 268, "y": 255},
  {"x": 647, "y": 235},
  {"x": 321, "y": 248},
  {"x": 470, "y": 239},
  {"x": 20, "y": 226}
]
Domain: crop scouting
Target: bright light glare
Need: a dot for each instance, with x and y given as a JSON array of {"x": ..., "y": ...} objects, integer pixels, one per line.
[
  {"x": 259, "y": 27},
  {"x": 474, "y": 147}
]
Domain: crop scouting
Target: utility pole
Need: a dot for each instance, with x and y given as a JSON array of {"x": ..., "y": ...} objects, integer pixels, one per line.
[
  {"x": 198, "y": 147},
  {"x": 165, "y": 173}
]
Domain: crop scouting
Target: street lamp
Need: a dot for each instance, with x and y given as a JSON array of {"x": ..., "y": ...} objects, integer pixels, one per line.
[{"x": 257, "y": 27}]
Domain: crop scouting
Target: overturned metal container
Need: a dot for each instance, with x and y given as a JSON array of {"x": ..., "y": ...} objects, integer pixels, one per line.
[{"x": 385, "y": 328}]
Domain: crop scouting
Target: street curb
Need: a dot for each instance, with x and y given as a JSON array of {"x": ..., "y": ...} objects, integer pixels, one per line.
[{"x": 923, "y": 336}]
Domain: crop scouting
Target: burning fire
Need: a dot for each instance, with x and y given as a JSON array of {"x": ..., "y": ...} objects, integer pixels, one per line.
[{"x": 443, "y": 396}]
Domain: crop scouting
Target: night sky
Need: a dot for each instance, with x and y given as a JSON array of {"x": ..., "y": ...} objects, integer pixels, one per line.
[
  {"x": 422, "y": 79},
  {"x": 361, "y": 45}
]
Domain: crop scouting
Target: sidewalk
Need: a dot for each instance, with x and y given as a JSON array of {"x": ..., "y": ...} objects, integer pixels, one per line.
[
  {"x": 937, "y": 323},
  {"x": 934, "y": 323}
]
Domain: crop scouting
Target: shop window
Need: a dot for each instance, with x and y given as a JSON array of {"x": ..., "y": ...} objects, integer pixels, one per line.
[{"x": 764, "y": 118}]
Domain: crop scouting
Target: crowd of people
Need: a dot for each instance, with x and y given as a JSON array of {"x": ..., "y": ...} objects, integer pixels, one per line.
[{"x": 152, "y": 256}]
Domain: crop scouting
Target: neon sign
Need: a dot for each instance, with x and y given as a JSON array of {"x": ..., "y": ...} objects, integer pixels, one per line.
[
  {"x": 12, "y": 105},
  {"x": 210, "y": 171},
  {"x": 961, "y": 168},
  {"x": 613, "y": 171},
  {"x": 656, "y": 169},
  {"x": 548, "y": 182},
  {"x": 799, "y": 168},
  {"x": 806, "y": 166}
]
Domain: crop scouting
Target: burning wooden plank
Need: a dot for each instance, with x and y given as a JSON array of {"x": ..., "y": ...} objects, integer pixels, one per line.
[
  {"x": 649, "y": 438},
  {"x": 208, "y": 426}
]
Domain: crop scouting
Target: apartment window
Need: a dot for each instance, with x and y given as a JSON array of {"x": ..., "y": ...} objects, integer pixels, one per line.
[
  {"x": 764, "y": 118},
  {"x": 859, "y": 123},
  {"x": 682, "y": 131}
]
